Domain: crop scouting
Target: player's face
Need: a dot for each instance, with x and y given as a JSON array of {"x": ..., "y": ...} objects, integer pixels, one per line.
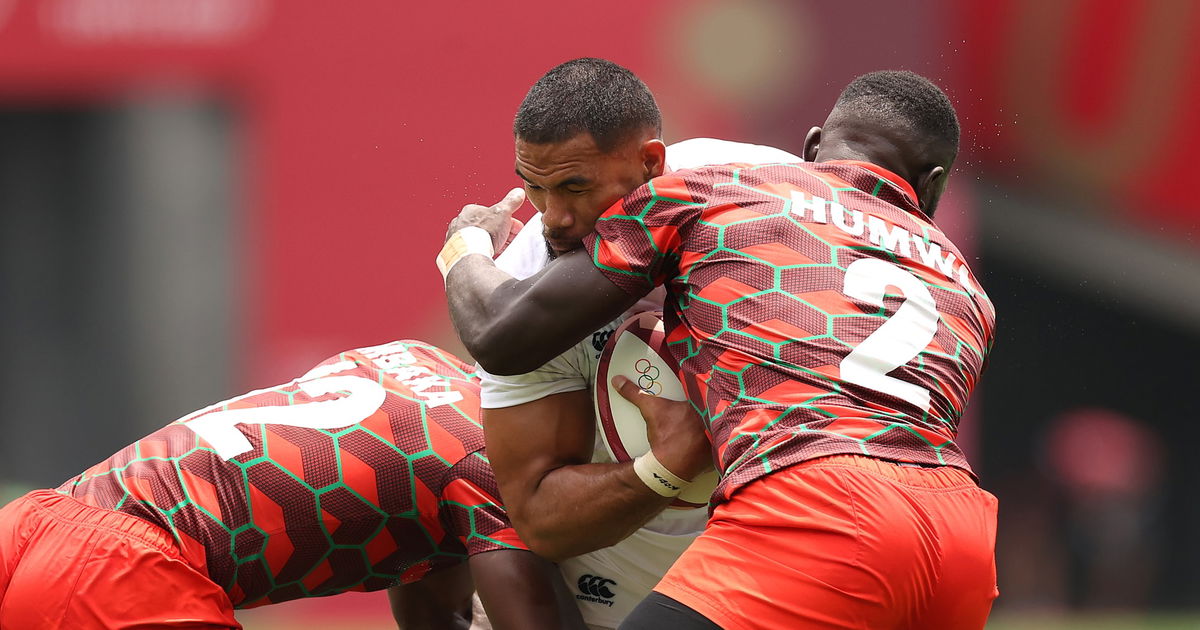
[{"x": 573, "y": 182}]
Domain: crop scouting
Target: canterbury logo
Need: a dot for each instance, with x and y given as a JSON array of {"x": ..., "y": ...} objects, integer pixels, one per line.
[
  {"x": 648, "y": 381},
  {"x": 600, "y": 338},
  {"x": 596, "y": 586}
]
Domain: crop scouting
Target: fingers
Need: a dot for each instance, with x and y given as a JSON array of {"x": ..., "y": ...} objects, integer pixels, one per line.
[
  {"x": 514, "y": 229},
  {"x": 630, "y": 391},
  {"x": 511, "y": 201}
]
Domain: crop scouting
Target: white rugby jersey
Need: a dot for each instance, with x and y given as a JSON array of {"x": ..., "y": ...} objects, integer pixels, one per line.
[{"x": 609, "y": 582}]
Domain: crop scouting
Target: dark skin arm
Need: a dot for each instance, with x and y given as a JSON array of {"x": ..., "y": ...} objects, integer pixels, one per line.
[
  {"x": 514, "y": 327},
  {"x": 564, "y": 506},
  {"x": 518, "y": 590},
  {"x": 521, "y": 591},
  {"x": 440, "y": 601}
]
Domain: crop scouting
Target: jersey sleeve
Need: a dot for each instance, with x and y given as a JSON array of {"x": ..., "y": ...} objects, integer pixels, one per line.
[
  {"x": 526, "y": 254},
  {"x": 470, "y": 507},
  {"x": 561, "y": 374},
  {"x": 637, "y": 242}
]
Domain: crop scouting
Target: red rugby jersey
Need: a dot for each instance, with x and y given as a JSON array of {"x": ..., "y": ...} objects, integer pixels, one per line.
[
  {"x": 366, "y": 472},
  {"x": 813, "y": 307}
]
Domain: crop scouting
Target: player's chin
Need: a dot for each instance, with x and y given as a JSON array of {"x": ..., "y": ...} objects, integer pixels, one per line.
[{"x": 556, "y": 248}]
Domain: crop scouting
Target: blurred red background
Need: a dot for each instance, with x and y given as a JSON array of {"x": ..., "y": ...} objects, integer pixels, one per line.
[{"x": 348, "y": 136}]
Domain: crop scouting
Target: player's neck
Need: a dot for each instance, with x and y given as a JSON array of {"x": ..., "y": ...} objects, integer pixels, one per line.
[{"x": 882, "y": 154}]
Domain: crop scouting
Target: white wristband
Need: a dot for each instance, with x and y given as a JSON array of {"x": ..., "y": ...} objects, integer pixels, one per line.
[
  {"x": 467, "y": 241},
  {"x": 657, "y": 477}
]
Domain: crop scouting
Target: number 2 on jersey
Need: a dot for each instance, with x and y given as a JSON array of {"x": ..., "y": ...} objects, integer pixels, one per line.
[
  {"x": 363, "y": 397},
  {"x": 901, "y": 338}
]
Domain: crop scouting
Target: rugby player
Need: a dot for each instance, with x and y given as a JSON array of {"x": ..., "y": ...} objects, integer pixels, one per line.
[
  {"x": 835, "y": 335},
  {"x": 366, "y": 473},
  {"x": 540, "y": 426}
]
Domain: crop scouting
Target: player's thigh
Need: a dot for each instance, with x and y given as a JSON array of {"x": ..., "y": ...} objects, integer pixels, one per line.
[
  {"x": 438, "y": 596},
  {"x": 81, "y": 577},
  {"x": 967, "y": 582},
  {"x": 805, "y": 548},
  {"x": 929, "y": 534},
  {"x": 16, "y": 526},
  {"x": 658, "y": 612},
  {"x": 127, "y": 584},
  {"x": 33, "y": 588}
]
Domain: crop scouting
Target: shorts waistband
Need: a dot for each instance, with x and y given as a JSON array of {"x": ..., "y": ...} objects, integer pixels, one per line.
[
  {"x": 69, "y": 509},
  {"x": 919, "y": 475}
]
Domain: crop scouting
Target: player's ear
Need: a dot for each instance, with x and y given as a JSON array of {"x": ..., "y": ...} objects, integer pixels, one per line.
[
  {"x": 930, "y": 185},
  {"x": 812, "y": 144},
  {"x": 654, "y": 158}
]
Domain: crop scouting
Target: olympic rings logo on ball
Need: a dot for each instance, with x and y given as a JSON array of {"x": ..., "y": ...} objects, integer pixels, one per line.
[{"x": 648, "y": 381}]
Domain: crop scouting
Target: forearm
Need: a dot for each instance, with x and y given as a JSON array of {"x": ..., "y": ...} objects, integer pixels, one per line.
[
  {"x": 580, "y": 508},
  {"x": 480, "y": 295},
  {"x": 513, "y": 327}
]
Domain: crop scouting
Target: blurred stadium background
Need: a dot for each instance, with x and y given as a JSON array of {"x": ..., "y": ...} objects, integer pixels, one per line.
[{"x": 201, "y": 196}]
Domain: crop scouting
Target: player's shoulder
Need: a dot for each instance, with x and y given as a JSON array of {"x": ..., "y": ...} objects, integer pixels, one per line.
[
  {"x": 698, "y": 152},
  {"x": 695, "y": 166}
]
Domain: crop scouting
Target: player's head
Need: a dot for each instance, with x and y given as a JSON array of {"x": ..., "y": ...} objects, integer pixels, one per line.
[
  {"x": 587, "y": 134},
  {"x": 898, "y": 120}
]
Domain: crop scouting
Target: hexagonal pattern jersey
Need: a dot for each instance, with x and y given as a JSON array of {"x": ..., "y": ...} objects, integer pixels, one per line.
[
  {"x": 366, "y": 472},
  {"x": 814, "y": 309}
]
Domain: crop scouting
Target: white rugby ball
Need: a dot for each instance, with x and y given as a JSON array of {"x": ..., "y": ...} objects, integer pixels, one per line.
[{"x": 638, "y": 351}]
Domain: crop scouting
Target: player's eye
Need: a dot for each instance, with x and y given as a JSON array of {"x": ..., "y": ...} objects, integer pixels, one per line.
[
  {"x": 577, "y": 191},
  {"x": 529, "y": 186}
]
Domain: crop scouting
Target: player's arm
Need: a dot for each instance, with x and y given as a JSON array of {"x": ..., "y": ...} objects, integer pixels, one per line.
[
  {"x": 562, "y": 505},
  {"x": 440, "y": 601},
  {"x": 511, "y": 326},
  {"x": 517, "y": 589},
  {"x": 520, "y": 590}
]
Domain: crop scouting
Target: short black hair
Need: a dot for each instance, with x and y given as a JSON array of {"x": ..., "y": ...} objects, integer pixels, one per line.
[
  {"x": 593, "y": 95},
  {"x": 905, "y": 95}
]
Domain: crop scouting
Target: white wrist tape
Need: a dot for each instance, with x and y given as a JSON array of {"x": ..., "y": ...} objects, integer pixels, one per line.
[
  {"x": 657, "y": 477},
  {"x": 467, "y": 241}
]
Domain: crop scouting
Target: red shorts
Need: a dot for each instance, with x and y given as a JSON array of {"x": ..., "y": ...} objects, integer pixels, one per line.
[
  {"x": 64, "y": 564},
  {"x": 845, "y": 542}
]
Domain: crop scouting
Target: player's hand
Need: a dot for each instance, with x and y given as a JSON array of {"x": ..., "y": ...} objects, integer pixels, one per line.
[
  {"x": 675, "y": 430},
  {"x": 496, "y": 219}
]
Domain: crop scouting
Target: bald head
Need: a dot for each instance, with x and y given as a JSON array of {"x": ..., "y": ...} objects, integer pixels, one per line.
[{"x": 895, "y": 119}]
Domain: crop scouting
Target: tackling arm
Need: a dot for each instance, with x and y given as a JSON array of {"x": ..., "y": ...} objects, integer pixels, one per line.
[{"x": 513, "y": 327}]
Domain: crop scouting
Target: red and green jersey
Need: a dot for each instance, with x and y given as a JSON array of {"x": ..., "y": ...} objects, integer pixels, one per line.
[
  {"x": 813, "y": 307},
  {"x": 366, "y": 472}
]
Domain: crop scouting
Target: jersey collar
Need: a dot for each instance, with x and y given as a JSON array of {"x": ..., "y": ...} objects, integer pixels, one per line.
[{"x": 904, "y": 187}]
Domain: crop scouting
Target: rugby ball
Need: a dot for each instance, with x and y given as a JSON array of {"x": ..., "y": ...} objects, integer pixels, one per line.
[{"x": 638, "y": 351}]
